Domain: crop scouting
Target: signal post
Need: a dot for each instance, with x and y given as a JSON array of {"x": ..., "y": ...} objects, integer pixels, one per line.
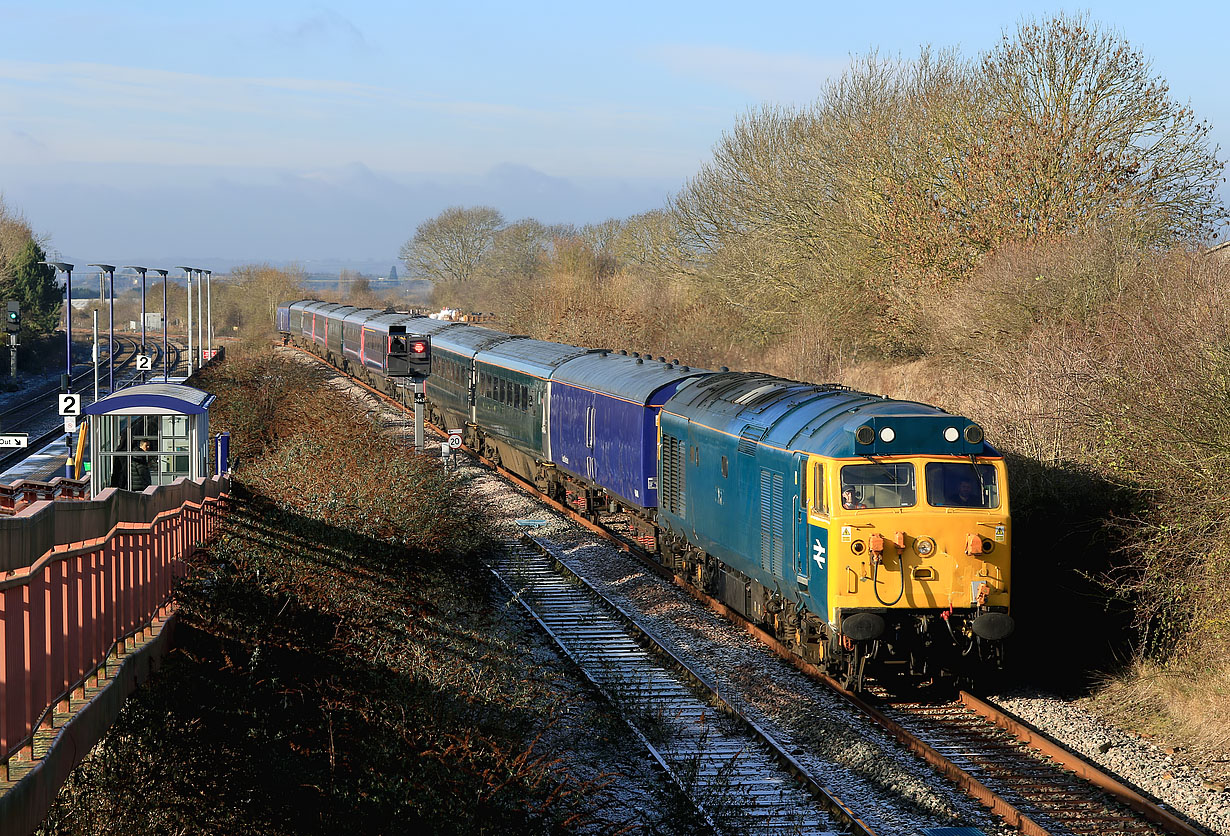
[
  {"x": 418, "y": 357},
  {"x": 12, "y": 324}
]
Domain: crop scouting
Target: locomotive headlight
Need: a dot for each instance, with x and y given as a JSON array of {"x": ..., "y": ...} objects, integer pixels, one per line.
[
  {"x": 864, "y": 435},
  {"x": 951, "y": 435},
  {"x": 887, "y": 435},
  {"x": 924, "y": 546},
  {"x": 973, "y": 434}
]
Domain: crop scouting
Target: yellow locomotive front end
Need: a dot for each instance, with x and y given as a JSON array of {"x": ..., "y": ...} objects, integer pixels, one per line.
[{"x": 918, "y": 559}]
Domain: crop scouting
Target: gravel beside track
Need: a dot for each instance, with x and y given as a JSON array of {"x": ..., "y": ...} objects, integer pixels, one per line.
[{"x": 1139, "y": 762}]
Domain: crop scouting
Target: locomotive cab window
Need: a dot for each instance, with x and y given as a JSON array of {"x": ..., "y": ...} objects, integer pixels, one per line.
[
  {"x": 962, "y": 485},
  {"x": 877, "y": 485}
]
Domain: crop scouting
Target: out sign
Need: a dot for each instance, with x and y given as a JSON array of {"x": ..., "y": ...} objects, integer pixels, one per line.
[{"x": 70, "y": 404}]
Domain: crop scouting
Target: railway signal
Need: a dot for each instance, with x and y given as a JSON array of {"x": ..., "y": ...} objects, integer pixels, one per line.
[
  {"x": 419, "y": 356},
  {"x": 12, "y": 324}
]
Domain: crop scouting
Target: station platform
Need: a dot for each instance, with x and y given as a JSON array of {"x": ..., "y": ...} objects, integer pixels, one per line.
[{"x": 40, "y": 466}]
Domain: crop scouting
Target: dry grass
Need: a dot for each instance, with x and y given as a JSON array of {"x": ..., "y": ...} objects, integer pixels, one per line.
[{"x": 1188, "y": 709}]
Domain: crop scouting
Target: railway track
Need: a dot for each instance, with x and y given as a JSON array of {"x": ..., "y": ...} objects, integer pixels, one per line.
[
  {"x": 737, "y": 776},
  {"x": 1032, "y": 784},
  {"x": 37, "y": 416},
  {"x": 1050, "y": 790}
]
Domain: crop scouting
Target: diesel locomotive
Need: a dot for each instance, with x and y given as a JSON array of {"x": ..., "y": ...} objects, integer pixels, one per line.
[{"x": 872, "y": 536}]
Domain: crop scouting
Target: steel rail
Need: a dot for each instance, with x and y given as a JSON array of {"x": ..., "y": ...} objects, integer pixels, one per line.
[
  {"x": 38, "y": 410},
  {"x": 1084, "y": 770},
  {"x": 777, "y": 806}
]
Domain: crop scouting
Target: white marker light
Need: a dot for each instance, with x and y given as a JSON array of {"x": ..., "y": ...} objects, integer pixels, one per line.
[
  {"x": 951, "y": 434},
  {"x": 887, "y": 435}
]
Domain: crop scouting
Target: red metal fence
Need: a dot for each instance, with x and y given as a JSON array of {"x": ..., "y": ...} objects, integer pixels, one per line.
[{"x": 78, "y": 577}]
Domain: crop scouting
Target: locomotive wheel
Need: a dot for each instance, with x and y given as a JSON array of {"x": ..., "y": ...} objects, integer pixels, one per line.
[
  {"x": 856, "y": 662},
  {"x": 491, "y": 453}
]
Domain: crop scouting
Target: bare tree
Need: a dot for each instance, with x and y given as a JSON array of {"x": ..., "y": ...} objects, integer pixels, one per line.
[
  {"x": 518, "y": 250},
  {"x": 450, "y": 246},
  {"x": 254, "y": 290},
  {"x": 904, "y": 175},
  {"x": 1083, "y": 132}
]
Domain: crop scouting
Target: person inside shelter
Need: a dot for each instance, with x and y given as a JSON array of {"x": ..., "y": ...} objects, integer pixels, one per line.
[{"x": 144, "y": 465}]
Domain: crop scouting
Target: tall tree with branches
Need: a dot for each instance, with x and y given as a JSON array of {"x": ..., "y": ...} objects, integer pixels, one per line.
[{"x": 451, "y": 246}]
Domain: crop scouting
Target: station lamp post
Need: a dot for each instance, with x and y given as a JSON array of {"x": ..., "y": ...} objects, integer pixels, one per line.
[
  {"x": 200, "y": 317},
  {"x": 67, "y": 269},
  {"x": 109, "y": 269},
  {"x": 209, "y": 308},
  {"x": 67, "y": 384},
  {"x": 141, "y": 270},
  {"x": 165, "y": 371},
  {"x": 188, "y": 322}
]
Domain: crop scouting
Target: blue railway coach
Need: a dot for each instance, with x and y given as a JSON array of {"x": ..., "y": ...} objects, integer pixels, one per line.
[{"x": 604, "y": 423}]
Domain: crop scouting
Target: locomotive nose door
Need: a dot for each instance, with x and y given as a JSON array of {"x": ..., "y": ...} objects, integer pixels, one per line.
[{"x": 801, "y": 543}]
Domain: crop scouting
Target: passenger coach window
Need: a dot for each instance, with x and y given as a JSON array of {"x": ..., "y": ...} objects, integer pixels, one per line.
[
  {"x": 877, "y": 486},
  {"x": 962, "y": 485}
]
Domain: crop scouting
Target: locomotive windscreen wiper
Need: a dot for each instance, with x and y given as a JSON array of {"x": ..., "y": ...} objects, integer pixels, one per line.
[
  {"x": 982, "y": 485},
  {"x": 891, "y": 474}
]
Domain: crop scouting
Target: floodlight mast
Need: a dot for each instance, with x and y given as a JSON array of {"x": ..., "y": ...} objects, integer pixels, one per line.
[
  {"x": 109, "y": 269},
  {"x": 165, "y": 370},
  {"x": 67, "y": 269},
  {"x": 188, "y": 273},
  {"x": 141, "y": 270}
]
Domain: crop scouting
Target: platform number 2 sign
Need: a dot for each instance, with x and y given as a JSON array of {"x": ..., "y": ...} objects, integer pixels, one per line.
[{"x": 70, "y": 404}]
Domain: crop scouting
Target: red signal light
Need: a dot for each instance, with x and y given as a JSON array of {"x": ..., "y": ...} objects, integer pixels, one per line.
[{"x": 418, "y": 346}]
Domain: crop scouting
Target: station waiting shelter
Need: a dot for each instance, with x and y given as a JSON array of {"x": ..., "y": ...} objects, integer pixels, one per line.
[{"x": 150, "y": 434}]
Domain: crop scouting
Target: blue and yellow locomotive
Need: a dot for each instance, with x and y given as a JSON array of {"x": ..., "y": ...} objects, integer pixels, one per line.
[{"x": 860, "y": 530}]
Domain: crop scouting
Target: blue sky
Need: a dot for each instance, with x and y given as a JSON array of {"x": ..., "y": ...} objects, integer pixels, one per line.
[{"x": 246, "y": 131}]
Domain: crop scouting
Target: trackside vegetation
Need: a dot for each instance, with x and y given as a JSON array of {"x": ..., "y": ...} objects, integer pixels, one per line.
[{"x": 342, "y": 664}]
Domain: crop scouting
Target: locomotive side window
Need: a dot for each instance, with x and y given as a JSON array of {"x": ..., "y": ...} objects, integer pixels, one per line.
[
  {"x": 962, "y": 485},
  {"x": 877, "y": 486},
  {"x": 818, "y": 500}
]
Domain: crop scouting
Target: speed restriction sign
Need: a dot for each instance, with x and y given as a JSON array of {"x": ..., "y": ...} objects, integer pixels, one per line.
[
  {"x": 69, "y": 403},
  {"x": 454, "y": 439}
]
